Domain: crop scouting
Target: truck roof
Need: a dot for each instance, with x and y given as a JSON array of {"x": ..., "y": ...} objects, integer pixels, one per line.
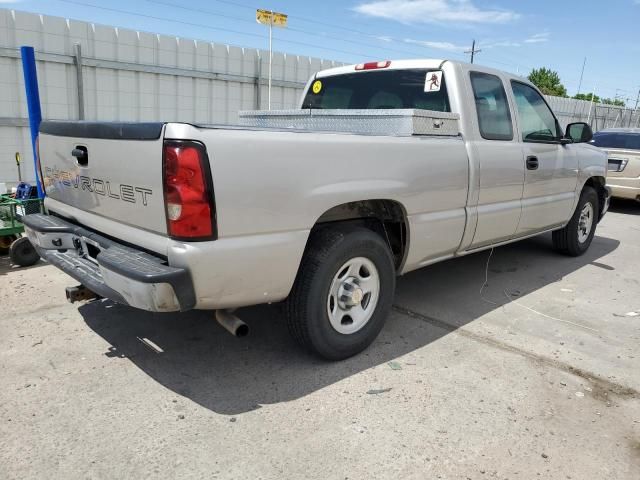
[{"x": 433, "y": 63}]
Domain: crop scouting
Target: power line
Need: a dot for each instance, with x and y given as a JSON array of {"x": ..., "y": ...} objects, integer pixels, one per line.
[
  {"x": 292, "y": 42},
  {"x": 305, "y": 32},
  {"x": 289, "y": 28},
  {"x": 208, "y": 27},
  {"x": 238, "y": 32},
  {"x": 333, "y": 26},
  {"x": 244, "y": 33}
]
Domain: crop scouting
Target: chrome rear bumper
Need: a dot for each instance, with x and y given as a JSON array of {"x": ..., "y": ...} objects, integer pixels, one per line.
[{"x": 111, "y": 270}]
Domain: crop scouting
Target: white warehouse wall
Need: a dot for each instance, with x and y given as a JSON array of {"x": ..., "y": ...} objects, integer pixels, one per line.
[{"x": 132, "y": 76}]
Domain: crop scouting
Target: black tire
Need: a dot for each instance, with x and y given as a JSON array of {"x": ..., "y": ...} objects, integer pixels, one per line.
[
  {"x": 567, "y": 240},
  {"x": 5, "y": 243},
  {"x": 307, "y": 310},
  {"x": 22, "y": 253}
]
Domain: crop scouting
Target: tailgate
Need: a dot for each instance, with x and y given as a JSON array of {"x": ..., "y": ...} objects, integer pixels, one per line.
[{"x": 110, "y": 169}]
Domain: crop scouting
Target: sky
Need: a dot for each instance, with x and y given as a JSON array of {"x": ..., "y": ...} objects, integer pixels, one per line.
[{"x": 513, "y": 35}]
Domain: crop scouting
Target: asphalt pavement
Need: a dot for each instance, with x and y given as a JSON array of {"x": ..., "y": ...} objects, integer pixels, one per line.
[{"x": 536, "y": 375}]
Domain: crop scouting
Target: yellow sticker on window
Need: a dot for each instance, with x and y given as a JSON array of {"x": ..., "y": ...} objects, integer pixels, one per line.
[{"x": 317, "y": 86}]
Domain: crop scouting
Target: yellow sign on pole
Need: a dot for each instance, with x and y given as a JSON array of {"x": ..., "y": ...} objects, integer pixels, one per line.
[
  {"x": 272, "y": 19},
  {"x": 267, "y": 17}
]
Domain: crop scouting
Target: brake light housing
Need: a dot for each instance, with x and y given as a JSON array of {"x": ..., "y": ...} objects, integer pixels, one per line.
[
  {"x": 373, "y": 65},
  {"x": 188, "y": 191}
]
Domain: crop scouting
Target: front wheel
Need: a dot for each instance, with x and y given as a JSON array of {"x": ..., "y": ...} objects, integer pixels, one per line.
[
  {"x": 343, "y": 292},
  {"x": 574, "y": 239}
]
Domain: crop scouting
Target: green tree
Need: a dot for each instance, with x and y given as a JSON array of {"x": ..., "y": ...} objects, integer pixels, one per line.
[
  {"x": 587, "y": 97},
  {"x": 617, "y": 102},
  {"x": 548, "y": 82}
]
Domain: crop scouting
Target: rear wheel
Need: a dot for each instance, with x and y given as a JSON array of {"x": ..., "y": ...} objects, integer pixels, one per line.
[
  {"x": 23, "y": 253},
  {"x": 343, "y": 292},
  {"x": 574, "y": 239}
]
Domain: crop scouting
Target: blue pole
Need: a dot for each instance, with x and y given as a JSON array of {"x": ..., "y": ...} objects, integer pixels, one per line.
[{"x": 33, "y": 104}]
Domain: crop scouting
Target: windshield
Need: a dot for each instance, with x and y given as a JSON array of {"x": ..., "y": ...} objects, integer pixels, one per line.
[
  {"x": 624, "y": 140},
  {"x": 380, "y": 89}
]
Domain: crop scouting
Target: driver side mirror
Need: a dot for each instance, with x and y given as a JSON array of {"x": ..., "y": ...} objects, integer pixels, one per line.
[{"x": 579, "y": 132}]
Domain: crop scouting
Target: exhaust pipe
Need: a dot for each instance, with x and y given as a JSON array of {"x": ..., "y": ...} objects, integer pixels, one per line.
[{"x": 232, "y": 323}]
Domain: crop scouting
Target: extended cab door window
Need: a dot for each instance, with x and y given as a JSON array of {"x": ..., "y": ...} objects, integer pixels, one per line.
[
  {"x": 537, "y": 122},
  {"x": 494, "y": 116}
]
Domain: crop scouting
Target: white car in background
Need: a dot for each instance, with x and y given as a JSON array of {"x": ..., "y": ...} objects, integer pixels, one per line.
[{"x": 623, "y": 148}]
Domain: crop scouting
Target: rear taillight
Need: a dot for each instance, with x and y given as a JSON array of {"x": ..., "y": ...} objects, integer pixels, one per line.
[
  {"x": 188, "y": 193},
  {"x": 373, "y": 65}
]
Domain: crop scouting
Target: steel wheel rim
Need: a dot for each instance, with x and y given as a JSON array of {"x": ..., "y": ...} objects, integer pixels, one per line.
[
  {"x": 353, "y": 295},
  {"x": 585, "y": 222}
]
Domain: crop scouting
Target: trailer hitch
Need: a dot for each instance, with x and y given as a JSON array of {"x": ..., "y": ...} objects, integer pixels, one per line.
[{"x": 79, "y": 293}]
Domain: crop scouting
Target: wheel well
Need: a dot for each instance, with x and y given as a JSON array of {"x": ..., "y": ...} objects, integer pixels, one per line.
[
  {"x": 598, "y": 184},
  {"x": 387, "y": 218}
]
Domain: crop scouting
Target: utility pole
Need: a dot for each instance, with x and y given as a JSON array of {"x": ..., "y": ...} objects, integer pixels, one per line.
[
  {"x": 593, "y": 94},
  {"x": 635, "y": 109},
  {"x": 473, "y": 50},
  {"x": 582, "y": 74},
  {"x": 575, "y": 106}
]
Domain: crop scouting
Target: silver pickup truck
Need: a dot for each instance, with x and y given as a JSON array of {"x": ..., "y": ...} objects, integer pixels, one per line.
[{"x": 322, "y": 212}]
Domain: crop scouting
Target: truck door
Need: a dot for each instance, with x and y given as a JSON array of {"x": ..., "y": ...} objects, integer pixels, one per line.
[
  {"x": 551, "y": 169},
  {"x": 499, "y": 156}
]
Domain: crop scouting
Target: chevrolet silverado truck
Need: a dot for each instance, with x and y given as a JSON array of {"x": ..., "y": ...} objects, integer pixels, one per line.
[{"x": 173, "y": 216}]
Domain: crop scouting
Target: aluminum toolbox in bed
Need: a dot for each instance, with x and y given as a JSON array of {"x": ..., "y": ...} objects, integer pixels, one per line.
[{"x": 392, "y": 122}]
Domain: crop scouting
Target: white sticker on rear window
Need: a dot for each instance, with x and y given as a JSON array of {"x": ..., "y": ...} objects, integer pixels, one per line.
[{"x": 432, "y": 81}]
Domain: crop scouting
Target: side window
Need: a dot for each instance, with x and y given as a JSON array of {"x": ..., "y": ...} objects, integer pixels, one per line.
[
  {"x": 537, "y": 122},
  {"x": 492, "y": 107}
]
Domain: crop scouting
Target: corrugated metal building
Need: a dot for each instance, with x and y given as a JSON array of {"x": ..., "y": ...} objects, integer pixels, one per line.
[{"x": 132, "y": 76}]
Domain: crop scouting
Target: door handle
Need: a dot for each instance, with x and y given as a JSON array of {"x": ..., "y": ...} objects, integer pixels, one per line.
[
  {"x": 532, "y": 162},
  {"x": 81, "y": 154}
]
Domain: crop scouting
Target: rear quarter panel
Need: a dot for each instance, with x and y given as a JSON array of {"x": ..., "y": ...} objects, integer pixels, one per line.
[{"x": 270, "y": 183}]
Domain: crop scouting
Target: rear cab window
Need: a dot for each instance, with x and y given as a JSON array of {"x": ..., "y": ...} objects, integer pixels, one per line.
[
  {"x": 492, "y": 107},
  {"x": 622, "y": 140},
  {"x": 384, "y": 89}
]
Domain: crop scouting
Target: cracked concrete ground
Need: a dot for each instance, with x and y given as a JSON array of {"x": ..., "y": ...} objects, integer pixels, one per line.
[{"x": 537, "y": 376}]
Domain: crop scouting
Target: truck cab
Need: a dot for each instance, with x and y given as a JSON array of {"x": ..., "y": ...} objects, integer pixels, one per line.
[{"x": 524, "y": 168}]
